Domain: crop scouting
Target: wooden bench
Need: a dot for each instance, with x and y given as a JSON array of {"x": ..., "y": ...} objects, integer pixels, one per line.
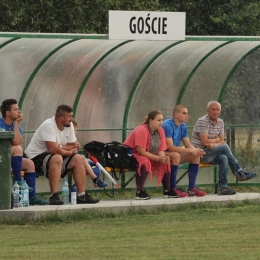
[{"x": 124, "y": 182}]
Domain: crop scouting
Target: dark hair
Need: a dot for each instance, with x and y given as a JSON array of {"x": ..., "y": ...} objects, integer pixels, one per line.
[
  {"x": 62, "y": 109},
  {"x": 152, "y": 115},
  {"x": 7, "y": 106}
]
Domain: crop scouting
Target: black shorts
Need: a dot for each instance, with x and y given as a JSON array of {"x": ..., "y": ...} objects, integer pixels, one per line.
[{"x": 42, "y": 161}]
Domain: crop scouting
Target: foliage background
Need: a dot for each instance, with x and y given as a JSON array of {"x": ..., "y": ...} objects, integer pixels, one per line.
[{"x": 203, "y": 17}]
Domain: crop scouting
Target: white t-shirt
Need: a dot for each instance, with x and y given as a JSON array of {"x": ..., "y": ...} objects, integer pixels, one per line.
[{"x": 48, "y": 131}]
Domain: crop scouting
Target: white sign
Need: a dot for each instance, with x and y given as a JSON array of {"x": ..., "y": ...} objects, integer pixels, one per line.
[{"x": 143, "y": 25}]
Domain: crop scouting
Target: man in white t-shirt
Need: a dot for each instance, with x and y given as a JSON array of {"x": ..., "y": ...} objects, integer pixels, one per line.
[{"x": 54, "y": 152}]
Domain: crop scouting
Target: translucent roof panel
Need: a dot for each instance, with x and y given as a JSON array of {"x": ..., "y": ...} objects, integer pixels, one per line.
[
  {"x": 112, "y": 85},
  {"x": 4, "y": 40},
  {"x": 59, "y": 79},
  {"x": 18, "y": 60},
  {"x": 105, "y": 95},
  {"x": 162, "y": 83},
  {"x": 207, "y": 82},
  {"x": 240, "y": 98}
]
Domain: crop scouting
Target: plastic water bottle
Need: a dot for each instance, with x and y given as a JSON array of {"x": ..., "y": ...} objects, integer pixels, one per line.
[
  {"x": 25, "y": 194},
  {"x": 65, "y": 192},
  {"x": 16, "y": 191},
  {"x": 130, "y": 153},
  {"x": 73, "y": 196}
]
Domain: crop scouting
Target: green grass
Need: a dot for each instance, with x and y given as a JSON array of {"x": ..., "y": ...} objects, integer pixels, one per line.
[{"x": 193, "y": 231}]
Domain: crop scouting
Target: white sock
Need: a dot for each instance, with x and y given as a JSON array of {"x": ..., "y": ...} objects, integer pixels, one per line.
[{"x": 80, "y": 194}]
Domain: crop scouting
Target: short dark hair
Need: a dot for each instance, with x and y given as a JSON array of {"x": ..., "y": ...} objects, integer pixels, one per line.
[
  {"x": 7, "y": 106},
  {"x": 62, "y": 109}
]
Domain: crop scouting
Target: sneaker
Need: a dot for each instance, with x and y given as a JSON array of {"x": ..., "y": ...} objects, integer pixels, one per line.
[
  {"x": 225, "y": 191},
  {"x": 142, "y": 195},
  {"x": 179, "y": 193},
  {"x": 36, "y": 200},
  {"x": 196, "y": 192},
  {"x": 55, "y": 199},
  {"x": 245, "y": 176},
  {"x": 20, "y": 183},
  {"x": 100, "y": 183},
  {"x": 86, "y": 198},
  {"x": 169, "y": 194}
]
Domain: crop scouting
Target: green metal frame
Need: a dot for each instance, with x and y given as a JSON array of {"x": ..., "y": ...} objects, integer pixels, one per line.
[
  {"x": 130, "y": 98},
  {"x": 194, "y": 70},
  {"x": 29, "y": 81},
  {"x": 75, "y": 106},
  {"x": 220, "y": 99}
]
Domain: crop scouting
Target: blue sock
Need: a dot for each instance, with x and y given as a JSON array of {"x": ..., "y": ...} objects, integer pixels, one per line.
[
  {"x": 193, "y": 171},
  {"x": 96, "y": 170},
  {"x": 16, "y": 163},
  {"x": 30, "y": 178},
  {"x": 174, "y": 171}
]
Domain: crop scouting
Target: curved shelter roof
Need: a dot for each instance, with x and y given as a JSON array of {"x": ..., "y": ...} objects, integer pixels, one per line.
[{"x": 113, "y": 84}]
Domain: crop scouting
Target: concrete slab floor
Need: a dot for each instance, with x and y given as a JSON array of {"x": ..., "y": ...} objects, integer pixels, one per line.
[{"x": 33, "y": 212}]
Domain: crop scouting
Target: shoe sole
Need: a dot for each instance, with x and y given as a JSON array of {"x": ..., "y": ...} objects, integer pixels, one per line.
[
  {"x": 167, "y": 196},
  {"x": 87, "y": 202},
  {"x": 226, "y": 194},
  {"x": 138, "y": 198},
  {"x": 247, "y": 179},
  {"x": 197, "y": 195},
  {"x": 56, "y": 204},
  {"x": 182, "y": 195},
  {"x": 39, "y": 204}
]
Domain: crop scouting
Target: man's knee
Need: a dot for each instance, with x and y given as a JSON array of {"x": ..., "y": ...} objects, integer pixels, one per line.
[
  {"x": 223, "y": 158},
  {"x": 174, "y": 157},
  {"x": 77, "y": 158},
  {"x": 17, "y": 150},
  {"x": 28, "y": 165},
  {"x": 56, "y": 159},
  {"x": 225, "y": 147}
]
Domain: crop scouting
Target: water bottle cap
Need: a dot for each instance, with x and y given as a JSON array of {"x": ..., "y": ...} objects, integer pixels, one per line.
[{"x": 73, "y": 189}]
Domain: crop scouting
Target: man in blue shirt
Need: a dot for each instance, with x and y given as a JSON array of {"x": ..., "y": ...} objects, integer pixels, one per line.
[
  {"x": 176, "y": 131},
  {"x": 10, "y": 121}
]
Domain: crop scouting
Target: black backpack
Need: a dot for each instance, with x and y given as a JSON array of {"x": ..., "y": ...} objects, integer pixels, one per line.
[
  {"x": 114, "y": 155},
  {"x": 96, "y": 149},
  {"x": 117, "y": 155}
]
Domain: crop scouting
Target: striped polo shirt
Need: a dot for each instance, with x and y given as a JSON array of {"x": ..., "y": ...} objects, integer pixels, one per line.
[{"x": 205, "y": 125}]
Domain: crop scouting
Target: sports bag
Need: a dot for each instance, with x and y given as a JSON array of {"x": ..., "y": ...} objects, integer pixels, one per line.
[
  {"x": 117, "y": 155},
  {"x": 113, "y": 155},
  {"x": 96, "y": 149}
]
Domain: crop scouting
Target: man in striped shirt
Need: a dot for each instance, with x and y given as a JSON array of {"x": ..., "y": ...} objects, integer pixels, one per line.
[{"x": 208, "y": 134}]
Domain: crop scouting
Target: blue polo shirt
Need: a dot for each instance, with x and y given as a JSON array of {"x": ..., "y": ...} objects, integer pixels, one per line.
[
  {"x": 8, "y": 127},
  {"x": 177, "y": 133}
]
